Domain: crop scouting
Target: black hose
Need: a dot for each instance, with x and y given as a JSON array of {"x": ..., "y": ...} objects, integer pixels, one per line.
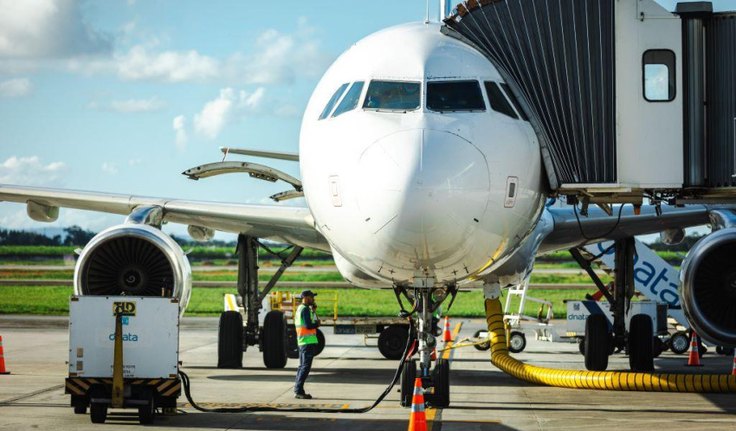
[{"x": 187, "y": 392}]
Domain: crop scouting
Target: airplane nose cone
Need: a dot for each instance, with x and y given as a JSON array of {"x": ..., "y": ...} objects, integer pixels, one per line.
[{"x": 423, "y": 192}]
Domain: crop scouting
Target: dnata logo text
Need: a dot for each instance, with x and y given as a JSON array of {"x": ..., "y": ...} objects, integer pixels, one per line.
[
  {"x": 126, "y": 337},
  {"x": 576, "y": 317}
]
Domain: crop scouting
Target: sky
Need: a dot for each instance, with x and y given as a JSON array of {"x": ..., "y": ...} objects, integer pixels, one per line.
[{"x": 123, "y": 95}]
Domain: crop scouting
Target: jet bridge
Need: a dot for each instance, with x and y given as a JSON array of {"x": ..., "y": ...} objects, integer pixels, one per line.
[{"x": 628, "y": 99}]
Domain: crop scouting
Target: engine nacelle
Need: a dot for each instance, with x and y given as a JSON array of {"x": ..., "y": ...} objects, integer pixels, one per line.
[
  {"x": 135, "y": 260},
  {"x": 354, "y": 275},
  {"x": 708, "y": 287}
]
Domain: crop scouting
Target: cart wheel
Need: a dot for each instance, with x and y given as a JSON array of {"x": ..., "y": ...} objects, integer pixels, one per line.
[
  {"x": 80, "y": 410},
  {"x": 517, "y": 342},
  {"x": 79, "y": 404},
  {"x": 581, "y": 345},
  {"x": 98, "y": 413},
  {"x": 392, "y": 341},
  {"x": 679, "y": 342},
  {"x": 146, "y": 413},
  {"x": 484, "y": 346}
]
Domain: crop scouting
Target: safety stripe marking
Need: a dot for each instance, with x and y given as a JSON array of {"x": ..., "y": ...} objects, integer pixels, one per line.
[{"x": 173, "y": 390}]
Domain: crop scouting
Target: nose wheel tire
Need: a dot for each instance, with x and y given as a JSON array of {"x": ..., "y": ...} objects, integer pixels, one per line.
[
  {"x": 441, "y": 380},
  {"x": 230, "y": 340},
  {"x": 641, "y": 343},
  {"x": 597, "y": 342},
  {"x": 392, "y": 341},
  {"x": 274, "y": 340},
  {"x": 408, "y": 375},
  {"x": 517, "y": 342}
]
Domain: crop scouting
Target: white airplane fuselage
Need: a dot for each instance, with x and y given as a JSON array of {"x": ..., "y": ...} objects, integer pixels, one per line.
[{"x": 399, "y": 193}]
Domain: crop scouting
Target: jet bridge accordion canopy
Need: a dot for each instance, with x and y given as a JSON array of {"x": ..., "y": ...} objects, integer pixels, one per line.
[{"x": 558, "y": 55}]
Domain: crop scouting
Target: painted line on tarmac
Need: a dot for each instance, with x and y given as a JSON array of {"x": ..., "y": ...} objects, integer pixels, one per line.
[
  {"x": 9, "y": 401},
  {"x": 435, "y": 414}
]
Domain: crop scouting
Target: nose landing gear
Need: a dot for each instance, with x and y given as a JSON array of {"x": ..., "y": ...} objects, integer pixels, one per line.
[{"x": 425, "y": 299}]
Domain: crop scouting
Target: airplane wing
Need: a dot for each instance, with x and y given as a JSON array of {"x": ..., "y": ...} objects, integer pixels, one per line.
[
  {"x": 294, "y": 225},
  {"x": 570, "y": 229}
]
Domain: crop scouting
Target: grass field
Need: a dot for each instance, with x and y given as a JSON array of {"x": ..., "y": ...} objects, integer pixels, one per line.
[{"x": 45, "y": 300}]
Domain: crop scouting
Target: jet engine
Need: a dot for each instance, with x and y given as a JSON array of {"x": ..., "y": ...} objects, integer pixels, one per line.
[
  {"x": 708, "y": 288},
  {"x": 136, "y": 260}
]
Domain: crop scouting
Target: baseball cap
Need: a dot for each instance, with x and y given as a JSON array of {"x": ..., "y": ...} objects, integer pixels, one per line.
[{"x": 307, "y": 293}]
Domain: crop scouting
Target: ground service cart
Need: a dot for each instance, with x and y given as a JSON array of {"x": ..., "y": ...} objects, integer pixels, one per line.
[{"x": 123, "y": 353}]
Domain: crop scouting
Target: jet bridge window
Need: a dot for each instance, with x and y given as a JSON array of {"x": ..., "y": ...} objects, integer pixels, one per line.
[
  {"x": 659, "y": 75},
  {"x": 331, "y": 104},
  {"x": 455, "y": 96},
  {"x": 350, "y": 101},
  {"x": 498, "y": 101},
  {"x": 392, "y": 96}
]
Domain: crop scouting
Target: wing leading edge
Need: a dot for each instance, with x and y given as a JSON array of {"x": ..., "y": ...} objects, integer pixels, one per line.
[{"x": 294, "y": 225}]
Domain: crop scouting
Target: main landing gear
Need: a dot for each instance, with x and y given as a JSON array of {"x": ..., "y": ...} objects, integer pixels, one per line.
[
  {"x": 271, "y": 338},
  {"x": 435, "y": 373},
  {"x": 601, "y": 338}
]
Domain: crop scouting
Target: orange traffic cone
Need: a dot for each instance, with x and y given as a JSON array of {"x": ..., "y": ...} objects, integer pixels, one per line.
[
  {"x": 2, "y": 358},
  {"x": 693, "y": 360},
  {"x": 733, "y": 369},
  {"x": 417, "y": 420},
  {"x": 447, "y": 335}
]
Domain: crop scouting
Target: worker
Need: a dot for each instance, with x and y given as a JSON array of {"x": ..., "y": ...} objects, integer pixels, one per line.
[{"x": 306, "y": 323}]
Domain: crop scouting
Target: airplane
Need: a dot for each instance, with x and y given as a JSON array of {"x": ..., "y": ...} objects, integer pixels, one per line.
[{"x": 419, "y": 170}]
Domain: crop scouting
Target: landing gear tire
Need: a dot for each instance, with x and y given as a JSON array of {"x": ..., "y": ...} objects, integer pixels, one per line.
[
  {"x": 484, "y": 346},
  {"x": 230, "y": 340},
  {"x": 597, "y": 343},
  {"x": 98, "y": 413},
  {"x": 441, "y": 379},
  {"x": 147, "y": 412},
  {"x": 407, "y": 382},
  {"x": 517, "y": 342},
  {"x": 640, "y": 343},
  {"x": 392, "y": 341},
  {"x": 274, "y": 340},
  {"x": 679, "y": 342}
]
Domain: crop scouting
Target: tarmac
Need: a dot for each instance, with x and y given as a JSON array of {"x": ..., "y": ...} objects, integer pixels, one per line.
[{"x": 350, "y": 374}]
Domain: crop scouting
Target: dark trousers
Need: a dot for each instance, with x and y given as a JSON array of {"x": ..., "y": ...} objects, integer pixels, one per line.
[{"x": 306, "y": 355}]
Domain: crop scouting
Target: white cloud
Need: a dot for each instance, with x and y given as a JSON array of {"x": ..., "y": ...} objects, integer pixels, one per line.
[
  {"x": 137, "y": 105},
  {"x": 47, "y": 29},
  {"x": 279, "y": 58},
  {"x": 15, "y": 87},
  {"x": 30, "y": 171},
  {"x": 134, "y": 162},
  {"x": 218, "y": 112},
  {"x": 109, "y": 168},
  {"x": 179, "y": 125},
  {"x": 169, "y": 66}
]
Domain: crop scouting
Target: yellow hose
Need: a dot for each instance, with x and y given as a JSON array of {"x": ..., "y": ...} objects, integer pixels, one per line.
[{"x": 610, "y": 380}]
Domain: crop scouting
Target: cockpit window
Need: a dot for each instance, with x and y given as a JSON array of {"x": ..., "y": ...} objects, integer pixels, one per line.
[
  {"x": 514, "y": 100},
  {"x": 498, "y": 101},
  {"x": 392, "y": 96},
  {"x": 455, "y": 96},
  {"x": 331, "y": 104},
  {"x": 350, "y": 101}
]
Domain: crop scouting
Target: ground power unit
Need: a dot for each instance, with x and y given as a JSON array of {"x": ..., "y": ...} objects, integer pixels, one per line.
[{"x": 123, "y": 353}]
